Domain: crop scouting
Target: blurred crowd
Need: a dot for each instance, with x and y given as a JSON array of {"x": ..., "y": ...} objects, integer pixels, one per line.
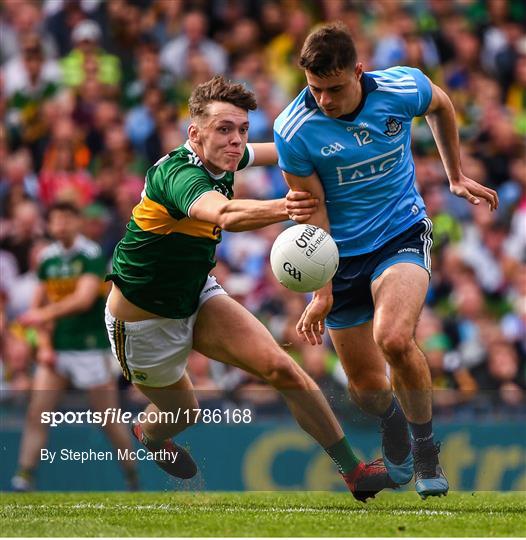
[{"x": 93, "y": 92}]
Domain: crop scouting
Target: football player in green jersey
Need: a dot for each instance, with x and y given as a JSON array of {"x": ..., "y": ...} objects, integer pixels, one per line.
[
  {"x": 163, "y": 302},
  {"x": 68, "y": 312}
]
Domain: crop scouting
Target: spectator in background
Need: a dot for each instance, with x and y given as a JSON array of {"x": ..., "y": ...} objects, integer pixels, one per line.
[
  {"x": 421, "y": 53},
  {"x": 24, "y": 229},
  {"x": 125, "y": 30},
  {"x": 508, "y": 55},
  {"x": 9, "y": 271},
  {"x": 283, "y": 51},
  {"x": 89, "y": 60},
  {"x": 15, "y": 351},
  {"x": 95, "y": 227},
  {"x": 466, "y": 328},
  {"x": 117, "y": 154},
  {"x": 106, "y": 113},
  {"x": 18, "y": 344},
  {"x": 450, "y": 272},
  {"x": 513, "y": 324},
  {"x": 494, "y": 33},
  {"x": 30, "y": 72},
  {"x": 483, "y": 247},
  {"x": 516, "y": 211},
  {"x": 199, "y": 71},
  {"x": 25, "y": 283},
  {"x": 398, "y": 41},
  {"x": 62, "y": 16},
  {"x": 64, "y": 175},
  {"x": 148, "y": 74},
  {"x": 516, "y": 92},
  {"x": 18, "y": 181},
  {"x": 502, "y": 377},
  {"x": 166, "y": 135},
  {"x": 140, "y": 120},
  {"x": 464, "y": 64},
  {"x": 174, "y": 55},
  {"x": 453, "y": 385},
  {"x": 21, "y": 18},
  {"x": 164, "y": 20},
  {"x": 498, "y": 143},
  {"x": 446, "y": 229},
  {"x": 438, "y": 21},
  {"x": 270, "y": 103},
  {"x": 271, "y": 20},
  {"x": 30, "y": 80},
  {"x": 65, "y": 133},
  {"x": 243, "y": 38}
]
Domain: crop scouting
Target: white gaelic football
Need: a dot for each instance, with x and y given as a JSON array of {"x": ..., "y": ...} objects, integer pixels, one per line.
[{"x": 304, "y": 258}]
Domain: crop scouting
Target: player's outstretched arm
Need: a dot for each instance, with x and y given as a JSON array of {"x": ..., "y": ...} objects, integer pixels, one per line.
[
  {"x": 247, "y": 214},
  {"x": 441, "y": 119},
  {"x": 265, "y": 154},
  {"x": 81, "y": 299},
  {"x": 311, "y": 324}
]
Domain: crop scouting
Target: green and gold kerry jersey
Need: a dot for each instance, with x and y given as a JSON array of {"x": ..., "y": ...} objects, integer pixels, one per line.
[
  {"x": 59, "y": 270},
  {"x": 163, "y": 261}
]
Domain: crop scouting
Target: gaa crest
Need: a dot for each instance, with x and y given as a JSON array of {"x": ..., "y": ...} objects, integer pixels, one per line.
[
  {"x": 140, "y": 375},
  {"x": 394, "y": 127}
]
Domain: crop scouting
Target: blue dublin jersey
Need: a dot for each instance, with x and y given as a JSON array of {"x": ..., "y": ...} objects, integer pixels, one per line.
[{"x": 363, "y": 159}]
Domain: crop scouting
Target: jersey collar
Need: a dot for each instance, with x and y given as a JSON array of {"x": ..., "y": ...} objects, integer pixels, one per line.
[
  {"x": 368, "y": 85},
  {"x": 75, "y": 248}
]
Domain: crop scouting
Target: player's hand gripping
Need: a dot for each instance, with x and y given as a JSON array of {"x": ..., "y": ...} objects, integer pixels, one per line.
[
  {"x": 311, "y": 325},
  {"x": 473, "y": 192},
  {"x": 300, "y": 205}
]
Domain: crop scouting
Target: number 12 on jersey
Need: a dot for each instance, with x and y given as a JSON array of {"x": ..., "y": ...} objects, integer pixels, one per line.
[{"x": 362, "y": 137}]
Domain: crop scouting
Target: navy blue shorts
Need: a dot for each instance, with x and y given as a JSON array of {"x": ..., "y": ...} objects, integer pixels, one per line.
[{"x": 351, "y": 286}]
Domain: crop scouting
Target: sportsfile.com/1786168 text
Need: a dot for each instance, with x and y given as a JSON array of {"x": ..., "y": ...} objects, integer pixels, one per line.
[{"x": 117, "y": 415}]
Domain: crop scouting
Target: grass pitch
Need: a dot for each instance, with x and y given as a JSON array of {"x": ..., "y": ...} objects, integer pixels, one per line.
[{"x": 260, "y": 514}]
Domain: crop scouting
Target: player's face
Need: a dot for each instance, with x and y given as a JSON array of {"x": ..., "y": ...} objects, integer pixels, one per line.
[
  {"x": 63, "y": 226},
  {"x": 222, "y": 136},
  {"x": 336, "y": 94}
]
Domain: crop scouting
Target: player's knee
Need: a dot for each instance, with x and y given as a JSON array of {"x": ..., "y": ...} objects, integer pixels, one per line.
[
  {"x": 283, "y": 374},
  {"x": 394, "y": 343}
]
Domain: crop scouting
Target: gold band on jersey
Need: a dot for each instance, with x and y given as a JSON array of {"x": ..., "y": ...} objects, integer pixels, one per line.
[
  {"x": 153, "y": 217},
  {"x": 59, "y": 288},
  {"x": 119, "y": 336}
]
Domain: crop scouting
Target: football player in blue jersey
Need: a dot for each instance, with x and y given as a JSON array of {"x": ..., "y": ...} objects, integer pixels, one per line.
[{"x": 346, "y": 139}]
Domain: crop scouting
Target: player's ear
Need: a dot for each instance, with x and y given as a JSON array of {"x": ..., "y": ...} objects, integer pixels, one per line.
[
  {"x": 193, "y": 133},
  {"x": 358, "y": 70}
]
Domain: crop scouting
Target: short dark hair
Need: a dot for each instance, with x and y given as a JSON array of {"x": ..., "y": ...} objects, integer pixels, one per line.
[
  {"x": 219, "y": 89},
  {"x": 328, "y": 50},
  {"x": 63, "y": 206}
]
